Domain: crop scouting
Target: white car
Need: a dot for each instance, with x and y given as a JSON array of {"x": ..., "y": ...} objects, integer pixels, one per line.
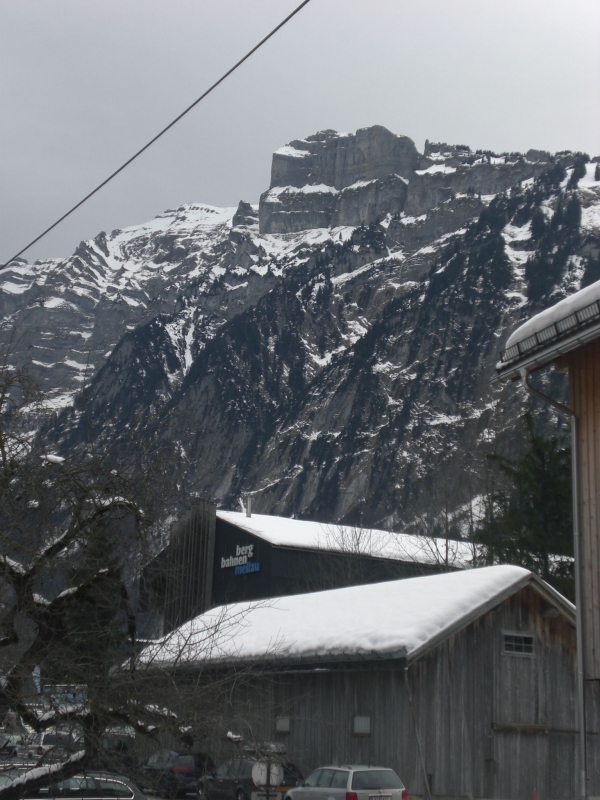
[
  {"x": 61, "y": 744},
  {"x": 350, "y": 782}
]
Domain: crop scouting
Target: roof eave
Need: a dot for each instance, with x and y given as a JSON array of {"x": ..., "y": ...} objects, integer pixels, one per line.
[
  {"x": 554, "y": 598},
  {"x": 283, "y": 662},
  {"x": 547, "y": 355}
]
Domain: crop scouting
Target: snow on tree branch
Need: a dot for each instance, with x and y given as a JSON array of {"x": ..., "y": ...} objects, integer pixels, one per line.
[{"x": 36, "y": 778}]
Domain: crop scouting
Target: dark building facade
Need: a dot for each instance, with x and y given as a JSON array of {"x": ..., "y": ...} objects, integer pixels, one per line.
[{"x": 214, "y": 558}]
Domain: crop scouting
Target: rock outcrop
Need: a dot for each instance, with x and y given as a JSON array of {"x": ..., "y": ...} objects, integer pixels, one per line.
[
  {"x": 333, "y": 179},
  {"x": 288, "y": 209},
  {"x": 339, "y": 160},
  {"x": 246, "y": 214},
  {"x": 411, "y": 233},
  {"x": 440, "y": 182},
  {"x": 366, "y": 201}
]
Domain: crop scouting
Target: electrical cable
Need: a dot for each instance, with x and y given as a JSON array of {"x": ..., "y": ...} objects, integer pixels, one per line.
[{"x": 158, "y": 135}]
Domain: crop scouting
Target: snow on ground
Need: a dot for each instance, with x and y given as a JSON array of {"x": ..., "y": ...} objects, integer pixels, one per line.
[
  {"x": 283, "y": 244},
  {"x": 184, "y": 218},
  {"x": 379, "y": 544},
  {"x": 590, "y": 217},
  {"x": 392, "y": 618},
  {"x": 435, "y": 168},
  {"x": 513, "y": 234},
  {"x": 412, "y": 220},
  {"x": 589, "y": 179},
  {"x": 273, "y": 194},
  {"x": 338, "y": 280},
  {"x": 555, "y": 313},
  {"x": 14, "y": 288},
  {"x": 288, "y": 150}
]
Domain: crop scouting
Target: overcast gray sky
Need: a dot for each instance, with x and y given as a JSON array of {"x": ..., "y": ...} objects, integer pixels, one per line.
[{"x": 84, "y": 83}]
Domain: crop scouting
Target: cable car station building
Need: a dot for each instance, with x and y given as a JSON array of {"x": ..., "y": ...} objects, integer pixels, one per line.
[{"x": 217, "y": 557}]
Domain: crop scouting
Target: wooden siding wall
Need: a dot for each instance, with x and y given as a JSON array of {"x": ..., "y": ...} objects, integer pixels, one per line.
[
  {"x": 584, "y": 386},
  {"x": 492, "y": 725}
]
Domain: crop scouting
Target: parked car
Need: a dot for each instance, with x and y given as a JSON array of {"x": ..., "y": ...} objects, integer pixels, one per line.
[
  {"x": 9, "y": 744},
  {"x": 6, "y": 777},
  {"x": 99, "y": 785},
  {"x": 172, "y": 774},
  {"x": 233, "y": 780},
  {"x": 350, "y": 782},
  {"x": 54, "y": 744}
]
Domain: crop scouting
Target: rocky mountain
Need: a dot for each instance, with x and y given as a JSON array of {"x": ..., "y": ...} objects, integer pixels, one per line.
[{"x": 331, "y": 350}]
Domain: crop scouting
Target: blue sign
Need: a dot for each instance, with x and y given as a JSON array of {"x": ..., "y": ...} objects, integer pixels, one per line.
[{"x": 249, "y": 566}]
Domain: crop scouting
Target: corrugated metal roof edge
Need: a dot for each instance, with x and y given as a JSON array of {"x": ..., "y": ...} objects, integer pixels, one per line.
[{"x": 540, "y": 358}]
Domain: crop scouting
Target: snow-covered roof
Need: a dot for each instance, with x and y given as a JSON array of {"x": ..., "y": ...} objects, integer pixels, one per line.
[
  {"x": 285, "y": 532},
  {"x": 565, "y": 325},
  {"x": 394, "y": 619},
  {"x": 566, "y": 307}
]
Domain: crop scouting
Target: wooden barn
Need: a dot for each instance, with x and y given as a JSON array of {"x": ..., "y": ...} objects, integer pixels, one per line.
[{"x": 463, "y": 682}]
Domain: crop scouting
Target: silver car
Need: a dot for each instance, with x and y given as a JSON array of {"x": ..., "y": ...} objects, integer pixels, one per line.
[{"x": 350, "y": 782}]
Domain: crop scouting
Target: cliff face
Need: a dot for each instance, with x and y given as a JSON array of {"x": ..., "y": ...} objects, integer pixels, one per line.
[
  {"x": 339, "y": 372},
  {"x": 338, "y": 179},
  {"x": 339, "y": 160}
]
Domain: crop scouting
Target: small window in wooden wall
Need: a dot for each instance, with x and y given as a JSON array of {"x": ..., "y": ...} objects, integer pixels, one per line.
[
  {"x": 518, "y": 645},
  {"x": 361, "y": 726},
  {"x": 282, "y": 724}
]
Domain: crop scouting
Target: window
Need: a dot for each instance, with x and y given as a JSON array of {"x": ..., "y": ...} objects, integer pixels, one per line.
[
  {"x": 517, "y": 644},
  {"x": 361, "y": 726},
  {"x": 325, "y": 777},
  {"x": 110, "y": 788},
  {"x": 78, "y": 787},
  {"x": 292, "y": 775},
  {"x": 247, "y": 768},
  {"x": 376, "y": 779},
  {"x": 340, "y": 780},
  {"x": 282, "y": 724},
  {"x": 222, "y": 771},
  {"x": 186, "y": 761},
  {"x": 313, "y": 778}
]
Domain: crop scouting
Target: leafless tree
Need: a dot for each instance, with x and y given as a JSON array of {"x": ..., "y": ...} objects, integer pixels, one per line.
[{"x": 74, "y": 529}]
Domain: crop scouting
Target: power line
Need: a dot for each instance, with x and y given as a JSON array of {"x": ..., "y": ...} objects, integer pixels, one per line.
[{"x": 163, "y": 131}]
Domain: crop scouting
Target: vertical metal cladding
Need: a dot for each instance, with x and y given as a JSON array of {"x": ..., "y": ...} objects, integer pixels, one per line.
[{"x": 190, "y": 565}]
